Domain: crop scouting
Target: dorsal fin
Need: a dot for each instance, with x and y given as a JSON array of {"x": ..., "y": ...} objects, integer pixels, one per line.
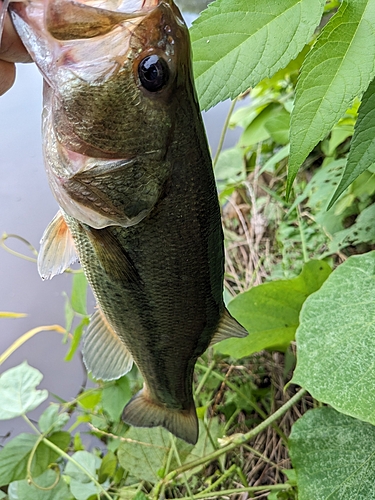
[
  {"x": 104, "y": 354},
  {"x": 228, "y": 327},
  {"x": 57, "y": 251}
]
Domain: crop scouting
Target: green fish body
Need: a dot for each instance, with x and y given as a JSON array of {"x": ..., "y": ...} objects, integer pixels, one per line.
[{"x": 127, "y": 159}]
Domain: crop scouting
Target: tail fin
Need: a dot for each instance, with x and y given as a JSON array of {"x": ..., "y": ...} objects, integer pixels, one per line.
[{"x": 141, "y": 412}]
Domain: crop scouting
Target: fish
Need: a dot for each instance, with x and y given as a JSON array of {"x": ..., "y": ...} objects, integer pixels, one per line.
[{"x": 128, "y": 162}]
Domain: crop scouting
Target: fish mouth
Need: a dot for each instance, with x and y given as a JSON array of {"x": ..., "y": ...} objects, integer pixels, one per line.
[
  {"x": 123, "y": 6},
  {"x": 83, "y": 19}
]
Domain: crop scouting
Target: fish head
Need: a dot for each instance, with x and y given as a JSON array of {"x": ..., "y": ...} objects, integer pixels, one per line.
[
  {"x": 111, "y": 67},
  {"x": 115, "y": 73}
]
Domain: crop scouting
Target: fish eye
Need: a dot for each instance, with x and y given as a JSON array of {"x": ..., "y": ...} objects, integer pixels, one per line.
[{"x": 153, "y": 73}]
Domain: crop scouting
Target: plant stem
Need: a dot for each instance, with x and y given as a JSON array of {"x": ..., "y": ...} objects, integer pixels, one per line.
[
  {"x": 233, "y": 491},
  {"x": 303, "y": 239},
  {"x": 255, "y": 407},
  {"x": 175, "y": 451},
  {"x": 222, "y": 478},
  {"x": 204, "y": 378},
  {"x": 62, "y": 453},
  {"x": 26, "y": 336},
  {"x": 224, "y": 131},
  {"x": 236, "y": 441}
]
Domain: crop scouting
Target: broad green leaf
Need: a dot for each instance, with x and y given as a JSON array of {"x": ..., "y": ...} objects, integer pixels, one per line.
[
  {"x": 362, "y": 231},
  {"x": 61, "y": 439},
  {"x": 81, "y": 485},
  {"x": 145, "y": 454},
  {"x": 51, "y": 419},
  {"x": 335, "y": 71},
  {"x": 18, "y": 394},
  {"x": 281, "y": 154},
  {"x": 22, "y": 490},
  {"x": 79, "y": 292},
  {"x": 140, "y": 496},
  {"x": 257, "y": 130},
  {"x": 278, "y": 126},
  {"x": 83, "y": 491},
  {"x": 362, "y": 150},
  {"x": 107, "y": 467},
  {"x": 230, "y": 167},
  {"x": 336, "y": 341},
  {"x": 115, "y": 396},
  {"x": 333, "y": 455},
  {"x": 238, "y": 44},
  {"x": 90, "y": 398},
  {"x": 270, "y": 312},
  {"x": 14, "y": 456},
  {"x": 88, "y": 461}
]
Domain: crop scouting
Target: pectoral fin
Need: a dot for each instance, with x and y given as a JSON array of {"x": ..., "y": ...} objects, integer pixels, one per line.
[
  {"x": 112, "y": 256},
  {"x": 142, "y": 412},
  {"x": 104, "y": 354},
  {"x": 228, "y": 327},
  {"x": 57, "y": 251}
]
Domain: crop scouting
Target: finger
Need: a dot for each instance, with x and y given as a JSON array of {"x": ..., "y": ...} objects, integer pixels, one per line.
[
  {"x": 11, "y": 48},
  {"x": 7, "y": 76}
]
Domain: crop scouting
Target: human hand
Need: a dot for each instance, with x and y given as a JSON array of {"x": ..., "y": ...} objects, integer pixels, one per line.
[{"x": 11, "y": 51}]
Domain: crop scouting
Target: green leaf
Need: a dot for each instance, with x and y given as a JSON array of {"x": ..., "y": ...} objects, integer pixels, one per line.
[
  {"x": 270, "y": 312},
  {"x": 14, "y": 456},
  {"x": 362, "y": 150},
  {"x": 335, "y": 71},
  {"x": 88, "y": 461},
  {"x": 18, "y": 394},
  {"x": 79, "y": 292},
  {"x": 336, "y": 342},
  {"x": 278, "y": 126},
  {"x": 362, "y": 231},
  {"x": 115, "y": 396},
  {"x": 22, "y": 490},
  {"x": 76, "y": 338},
  {"x": 145, "y": 453},
  {"x": 60, "y": 439},
  {"x": 90, "y": 398},
  {"x": 333, "y": 455},
  {"x": 81, "y": 485},
  {"x": 107, "y": 467},
  {"x": 247, "y": 42},
  {"x": 257, "y": 130},
  {"x": 51, "y": 419}
]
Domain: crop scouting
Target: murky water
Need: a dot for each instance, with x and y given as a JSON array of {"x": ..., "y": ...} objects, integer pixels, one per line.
[{"x": 26, "y": 207}]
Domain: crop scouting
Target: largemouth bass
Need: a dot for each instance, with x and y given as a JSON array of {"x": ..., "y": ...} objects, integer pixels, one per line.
[{"x": 128, "y": 162}]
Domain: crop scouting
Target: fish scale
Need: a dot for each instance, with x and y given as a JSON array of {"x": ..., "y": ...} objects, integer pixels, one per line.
[{"x": 127, "y": 159}]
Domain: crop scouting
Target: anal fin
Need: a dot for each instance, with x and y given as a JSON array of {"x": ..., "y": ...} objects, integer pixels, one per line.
[
  {"x": 143, "y": 412},
  {"x": 104, "y": 354},
  {"x": 57, "y": 250},
  {"x": 228, "y": 327}
]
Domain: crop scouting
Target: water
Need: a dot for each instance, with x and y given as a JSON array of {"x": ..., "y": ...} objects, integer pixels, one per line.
[{"x": 26, "y": 207}]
